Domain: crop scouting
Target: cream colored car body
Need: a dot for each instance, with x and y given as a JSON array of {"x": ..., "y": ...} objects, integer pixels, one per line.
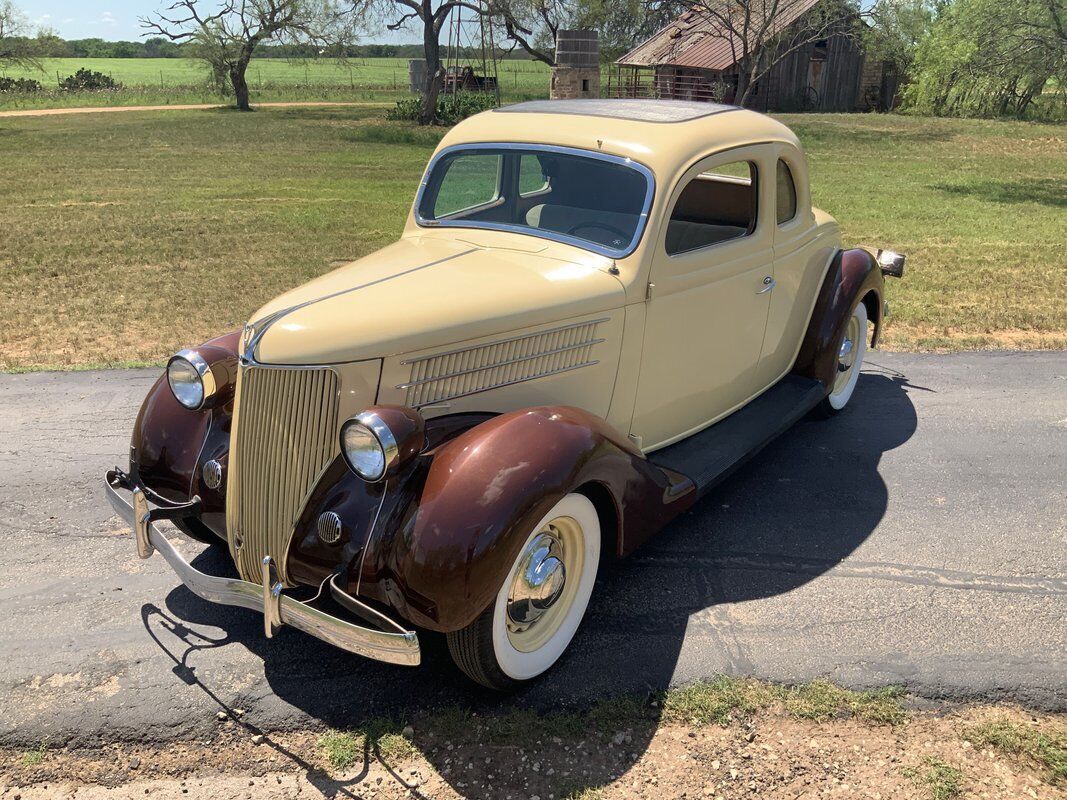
[{"x": 668, "y": 344}]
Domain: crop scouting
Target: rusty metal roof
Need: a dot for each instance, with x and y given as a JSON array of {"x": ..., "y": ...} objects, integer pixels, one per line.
[{"x": 699, "y": 41}]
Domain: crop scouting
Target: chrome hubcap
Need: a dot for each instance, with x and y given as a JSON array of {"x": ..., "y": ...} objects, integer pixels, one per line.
[
  {"x": 846, "y": 356},
  {"x": 539, "y": 582},
  {"x": 547, "y": 578}
]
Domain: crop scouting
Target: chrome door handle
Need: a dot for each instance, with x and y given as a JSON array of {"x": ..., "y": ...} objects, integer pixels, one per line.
[{"x": 768, "y": 284}]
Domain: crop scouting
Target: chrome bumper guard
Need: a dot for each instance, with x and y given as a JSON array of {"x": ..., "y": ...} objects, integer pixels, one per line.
[{"x": 394, "y": 645}]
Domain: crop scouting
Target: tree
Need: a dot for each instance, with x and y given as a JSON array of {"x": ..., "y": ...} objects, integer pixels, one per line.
[
  {"x": 990, "y": 57},
  {"x": 897, "y": 28},
  {"x": 533, "y": 24},
  {"x": 17, "y": 48},
  {"x": 432, "y": 21},
  {"x": 761, "y": 33},
  {"x": 228, "y": 38}
]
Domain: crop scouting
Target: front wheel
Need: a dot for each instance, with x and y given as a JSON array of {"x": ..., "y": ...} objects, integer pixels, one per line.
[
  {"x": 849, "y": 361},
  {"x": 539, "y": 607}
]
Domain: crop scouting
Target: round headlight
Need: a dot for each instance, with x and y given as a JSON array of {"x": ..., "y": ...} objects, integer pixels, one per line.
[
  {"x": 363, "y": 449},
  {"x": 190, "y": 379}
]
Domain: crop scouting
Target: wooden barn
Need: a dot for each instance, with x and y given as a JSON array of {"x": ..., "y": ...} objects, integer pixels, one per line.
[{"x": 694, "y": 58}]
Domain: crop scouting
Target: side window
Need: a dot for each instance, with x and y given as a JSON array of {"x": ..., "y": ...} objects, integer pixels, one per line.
[
  {"x": 787, "y": 193},
  {"x": 532, "y": 178},
  {"x": 715, "y": 206},
  {"x": 472, "y": 180}
]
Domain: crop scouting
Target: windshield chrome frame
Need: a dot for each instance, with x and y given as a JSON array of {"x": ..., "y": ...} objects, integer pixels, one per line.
[{"x": 584, "y": 244}]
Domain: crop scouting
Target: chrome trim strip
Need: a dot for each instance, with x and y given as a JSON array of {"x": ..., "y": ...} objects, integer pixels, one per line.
[
  {"x": 608, "y": 252},
  {"x": 509, "y": 383},
  {"x": 257, "y": 332},
  {"x": 495, "y": 342},
  {"x": 370, "y": 535},
  {"x": 498, "y": 364},
  {"x": 401, "y": 647}
]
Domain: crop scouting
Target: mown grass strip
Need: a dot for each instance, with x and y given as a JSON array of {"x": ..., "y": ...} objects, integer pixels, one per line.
[{"x": 129, "y": 236}]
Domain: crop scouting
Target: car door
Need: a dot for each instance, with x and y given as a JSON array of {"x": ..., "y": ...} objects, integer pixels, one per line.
[
  {"x": 799, "y": 263},
  {"x": 710, "y": 288}
]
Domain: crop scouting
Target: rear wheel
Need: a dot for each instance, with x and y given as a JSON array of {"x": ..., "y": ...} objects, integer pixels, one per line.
[
  {"x": 849, "y": 361},
  {"x": 539, "y": 607}
]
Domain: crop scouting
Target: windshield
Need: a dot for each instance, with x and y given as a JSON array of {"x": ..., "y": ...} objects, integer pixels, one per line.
[{"x": 595, "y": 201}]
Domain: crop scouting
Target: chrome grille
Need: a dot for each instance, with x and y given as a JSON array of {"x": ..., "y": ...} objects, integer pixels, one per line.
[
  {"x": 284, "y": 435},
  {"x": 446, "y": 376}
]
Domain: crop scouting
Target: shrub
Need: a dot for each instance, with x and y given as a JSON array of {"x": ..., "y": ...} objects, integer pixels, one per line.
[
  {"x": 86, "y": 80},
  {"x": 451, "y": 108},
  {"x": 21, "y": 85}
]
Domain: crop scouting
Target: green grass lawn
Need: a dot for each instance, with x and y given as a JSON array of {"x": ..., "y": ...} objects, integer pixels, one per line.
[
  {"x": 127, "y": 236},
  {"x": 159, "y": 81}
]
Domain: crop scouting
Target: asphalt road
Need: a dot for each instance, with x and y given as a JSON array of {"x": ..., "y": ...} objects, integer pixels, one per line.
[{"x": 919, "y": 538}]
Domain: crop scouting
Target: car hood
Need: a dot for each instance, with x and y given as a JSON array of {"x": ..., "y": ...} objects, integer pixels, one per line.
[{"x": 423, "y": 292}]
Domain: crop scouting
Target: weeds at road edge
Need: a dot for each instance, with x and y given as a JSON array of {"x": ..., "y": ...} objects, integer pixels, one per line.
[
  {"x": 31, "y": 758},
  {"x": 380, "y": 738},
  {"x": 1047, "y": 748},
  {"x": 942, "y": 780}
]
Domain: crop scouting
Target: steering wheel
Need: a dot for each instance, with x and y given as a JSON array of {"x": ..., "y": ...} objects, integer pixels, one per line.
[{"x": 602, "y": 226}]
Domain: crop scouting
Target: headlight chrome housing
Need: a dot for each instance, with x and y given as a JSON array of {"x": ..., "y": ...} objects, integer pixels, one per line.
[
  {"x": 376, "y": 442},
  {"x": 191, "y": 380}
]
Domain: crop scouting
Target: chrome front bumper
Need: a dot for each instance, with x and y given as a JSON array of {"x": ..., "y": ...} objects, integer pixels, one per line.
[{"x": 394, "y": 645}]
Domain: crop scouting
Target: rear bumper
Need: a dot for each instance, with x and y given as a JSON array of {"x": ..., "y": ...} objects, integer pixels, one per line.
[{"x": 393, "y": 644}]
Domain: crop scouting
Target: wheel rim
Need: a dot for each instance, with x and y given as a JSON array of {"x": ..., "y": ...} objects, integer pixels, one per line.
[
  {"x": 846, "y": 358},
  {"x": 524, "y": 645},
  {"x": 541, "y": 594}
]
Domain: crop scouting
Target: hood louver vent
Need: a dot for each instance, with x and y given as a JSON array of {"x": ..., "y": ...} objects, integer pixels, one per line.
[{"x": 457, "y": 373}]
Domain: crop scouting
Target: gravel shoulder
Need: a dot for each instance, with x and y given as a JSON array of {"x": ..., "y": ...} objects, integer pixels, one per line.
[{"x": 936, "y": 753}]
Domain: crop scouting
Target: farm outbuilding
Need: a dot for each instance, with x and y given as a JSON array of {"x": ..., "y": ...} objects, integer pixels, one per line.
[{"x": 695, "y": 58}]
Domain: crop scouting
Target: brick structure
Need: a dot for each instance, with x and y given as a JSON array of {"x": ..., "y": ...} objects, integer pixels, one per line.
[{"x": 577, "y": 71}]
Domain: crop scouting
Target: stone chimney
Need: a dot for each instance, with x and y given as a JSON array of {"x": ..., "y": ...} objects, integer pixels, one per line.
[{"x": 577, "y": 70}]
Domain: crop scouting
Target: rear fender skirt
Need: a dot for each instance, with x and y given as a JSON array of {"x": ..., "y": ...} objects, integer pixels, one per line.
[
  {"x": 171, "y": 443},
  {"x": 452, "y": 524},
  {"x": 853, "y": 275}
]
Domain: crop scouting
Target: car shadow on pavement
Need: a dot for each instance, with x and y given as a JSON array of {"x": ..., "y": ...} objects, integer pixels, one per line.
[{"x": 791, "y": 514}]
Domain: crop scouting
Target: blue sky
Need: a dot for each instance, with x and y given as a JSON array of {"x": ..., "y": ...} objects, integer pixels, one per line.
[{"x": 117, "y": 19}]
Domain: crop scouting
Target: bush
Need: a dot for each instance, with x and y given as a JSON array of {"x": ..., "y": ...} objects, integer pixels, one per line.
[
  {"x": 86, "y": 80},
  {"x": 21, "y": 85},
  {"x": 451, "y": 108}
]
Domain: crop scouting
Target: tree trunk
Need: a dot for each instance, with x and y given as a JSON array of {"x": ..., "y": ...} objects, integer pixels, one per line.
[
  {"x": 240, "y": 85},
  {"x": 434, "y": 73}
]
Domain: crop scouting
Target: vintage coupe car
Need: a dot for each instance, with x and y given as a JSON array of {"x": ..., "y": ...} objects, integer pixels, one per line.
[{"x": 596, "y": 311}]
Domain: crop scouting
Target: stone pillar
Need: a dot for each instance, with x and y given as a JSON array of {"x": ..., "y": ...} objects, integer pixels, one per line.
[{"x": 577, "y": 71}]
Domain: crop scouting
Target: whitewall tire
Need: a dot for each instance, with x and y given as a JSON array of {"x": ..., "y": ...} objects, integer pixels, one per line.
[
  {"x": 540, "y": 605},
  {"x": 849, "y": 362}
]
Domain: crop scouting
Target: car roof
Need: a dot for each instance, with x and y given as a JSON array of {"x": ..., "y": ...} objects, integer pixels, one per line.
[
  {"x": 664, "y": 135},
  {"x": 623, "y": 108}
]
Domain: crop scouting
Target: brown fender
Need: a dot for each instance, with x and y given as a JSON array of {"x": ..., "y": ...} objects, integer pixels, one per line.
[
  {"x": 170, "y": 442},
  {"x": 443, "y": 546},
  {"x": 854, "y": 275}
]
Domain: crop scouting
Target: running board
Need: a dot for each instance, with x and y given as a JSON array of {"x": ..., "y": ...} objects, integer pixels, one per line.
[{"x": 708, "y": 457}]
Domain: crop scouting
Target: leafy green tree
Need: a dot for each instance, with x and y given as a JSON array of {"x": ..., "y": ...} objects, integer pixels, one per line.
[
  {"x": 228, "y": 36},
  {"x": 897, "y": 27},
  {"x": 17, "y": 47},
  {"x": 989, "y": 58}
]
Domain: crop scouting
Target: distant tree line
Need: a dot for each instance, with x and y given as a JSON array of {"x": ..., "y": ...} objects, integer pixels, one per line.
[{"x": 48, "y": 45}]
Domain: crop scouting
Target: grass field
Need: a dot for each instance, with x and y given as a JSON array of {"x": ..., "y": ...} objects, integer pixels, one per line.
[
  {"x": 127, "y": 236},
  {"x": 151, "y": 81}
]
